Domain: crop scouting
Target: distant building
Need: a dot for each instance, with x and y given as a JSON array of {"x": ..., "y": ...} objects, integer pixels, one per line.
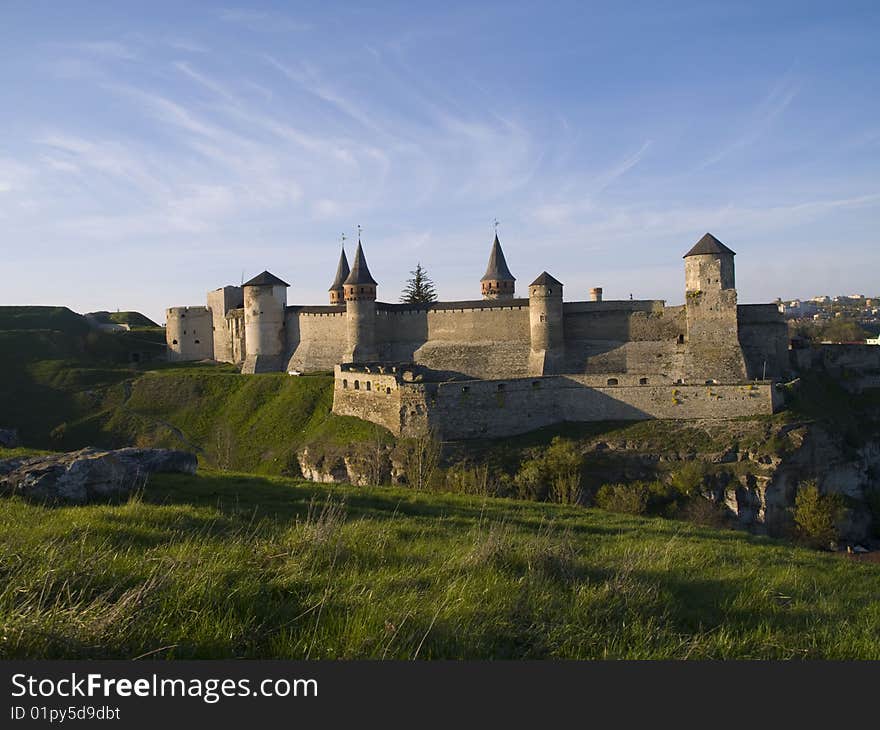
[{"x": 797, "y": 308}]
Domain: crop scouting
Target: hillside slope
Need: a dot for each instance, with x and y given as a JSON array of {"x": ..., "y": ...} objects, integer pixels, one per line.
[{"x": 240, "y": 566}]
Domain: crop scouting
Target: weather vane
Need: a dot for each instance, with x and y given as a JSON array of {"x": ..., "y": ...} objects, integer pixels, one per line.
[
  {"x": 495, "y": 224},
  {"x": 359, "y": 232},
  {"x": 342, "y": 238}
]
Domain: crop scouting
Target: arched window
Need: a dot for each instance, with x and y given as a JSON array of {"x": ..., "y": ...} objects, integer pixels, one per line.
[
  {"x": 344, "y": 383},
  {"x": 681, "y": 339},
  {"x": 387, "y": 391},
  {"x": 357, "y": 384},
  {"x": 369, "y": 385},
  {"x": 173, "y": 342},
  {"x": 612, "y": 381}
]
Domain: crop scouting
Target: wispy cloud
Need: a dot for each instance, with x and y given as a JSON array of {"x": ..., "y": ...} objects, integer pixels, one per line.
[{"x": 760, "y": 121}]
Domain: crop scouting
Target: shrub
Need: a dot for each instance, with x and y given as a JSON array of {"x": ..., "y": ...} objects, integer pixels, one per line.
[
  {"x": 418, "y": 458},
  {"x": 816, "y": 515},
  {"x": 464, "y": 478},
  {"x": 564, "y": 462},
  {"x": 554, "y": 475},
  {"x": 690, "y": 478},
  {"x": 531, "y": 481},
  {"x": 637, "y": 498},
  {"x": 628, "y": 498},
  {"x": 702, "y": 511}
]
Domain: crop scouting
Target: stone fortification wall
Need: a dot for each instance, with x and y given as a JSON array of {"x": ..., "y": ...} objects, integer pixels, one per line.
[
  {"x": 491, "y": 339},
  {"x": 497, "y": 408},
  {"x": 188, "y": 333},
  {"x": 473, "y": 338},
  {"x": 235, "y": 332},
  {"x": 316, "y": 337},
  {"x": 640, "y": 337},
  {"x": 373, "y": 394},
  {"x": 763, "y": 336},
  {"x": 221, "y": 302}
]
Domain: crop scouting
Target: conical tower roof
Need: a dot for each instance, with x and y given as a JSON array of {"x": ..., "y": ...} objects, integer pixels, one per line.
[
  {"x": 497, "y": 269},
  {"x": 708, "y": 244},
  {"x": 266, "y": 279},
  {"x": 342, "y": 272},
  {"x": 544, "y": 279},
  {"x": 360, "y": 273}
]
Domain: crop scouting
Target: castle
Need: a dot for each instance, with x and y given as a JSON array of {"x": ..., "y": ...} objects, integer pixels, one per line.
[{"x": 502, "y": 365}]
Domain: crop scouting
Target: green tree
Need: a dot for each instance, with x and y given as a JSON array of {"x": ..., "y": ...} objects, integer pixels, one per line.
[
  {"x": 817, "y": 515},
  {"x": 419, "y": 287}
]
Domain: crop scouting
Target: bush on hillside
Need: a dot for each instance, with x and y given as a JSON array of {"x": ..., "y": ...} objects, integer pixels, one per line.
[
  {"x": 639, "y": 497},
  {"x": 630, "y": 499},
  {"x": 703, "y": 511},
  {"x": 466, "y": 478},
  {"x": 690, "y": 478},
  {"x": 817, "y": 515},
  {"x": 418, "y": 458},
  {"x": 555, "y": 475}
]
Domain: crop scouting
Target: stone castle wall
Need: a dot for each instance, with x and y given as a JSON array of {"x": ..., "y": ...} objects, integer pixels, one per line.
[
  {"x": 221, "y": 302},
  {"x": 492, "y": 339},
  {"x": 763, "y": 336},
  {"x": 316, "y": 337},
  {"x": 189, "y": 333},
  {"x": 498, "y": 408},
  {"x": 480, "y": 339}
]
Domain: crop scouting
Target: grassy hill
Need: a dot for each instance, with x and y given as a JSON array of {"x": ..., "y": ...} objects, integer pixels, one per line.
[
  {"x": 133, "y": 319},
  {"x": 60, "y": 319},
  {"x": 224, "y": 565}
]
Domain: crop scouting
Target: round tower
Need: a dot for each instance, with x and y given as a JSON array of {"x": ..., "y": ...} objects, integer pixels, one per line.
[
  {"x": 713, "y": 349},
  {"x": 497, "y": 282},
  {"x": 265, "y": 305},
  {"x": 360, "y": 304},
  {"x": 337, "y": 288},
  {"x": 708, "y": 266},
  {"x": 547, "y": 349}
]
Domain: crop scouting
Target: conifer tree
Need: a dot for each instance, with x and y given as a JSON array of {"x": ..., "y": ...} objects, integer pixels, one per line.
[{"x": 419, "y": 287}]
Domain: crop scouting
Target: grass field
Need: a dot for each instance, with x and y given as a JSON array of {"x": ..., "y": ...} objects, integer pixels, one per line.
[{"x": 223, "y": 565}]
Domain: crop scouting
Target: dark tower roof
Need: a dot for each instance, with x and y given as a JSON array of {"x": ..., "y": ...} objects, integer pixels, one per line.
[
  {"x": 708, "y": 244},
  {"x": 545, "y": 280},
  {"x": 266, "y": 279},
  {"x": 342, "y": 272},
  {"x": 497, "y": 269},
  {"x": 360, "y": 273}
]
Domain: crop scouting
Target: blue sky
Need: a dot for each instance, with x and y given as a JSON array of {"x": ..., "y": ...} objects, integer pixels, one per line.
[{"x": 150, "y": 152}]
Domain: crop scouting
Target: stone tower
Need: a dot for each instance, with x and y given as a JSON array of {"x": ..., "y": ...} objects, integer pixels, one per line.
[
  {"x": 265, "y": 305},
  {"x": 713, "y": 349},
  {"x": 360, "y": 304},
  {"x": 337, "y": 290},
  {"x": 547, "y": 350},
  {"x": 497, "y": 282}
]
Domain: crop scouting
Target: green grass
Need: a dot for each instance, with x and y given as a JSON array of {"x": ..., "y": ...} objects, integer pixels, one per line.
[
  {"x": 60, "y": 319},
  {"x": 243, "y": 566}
]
